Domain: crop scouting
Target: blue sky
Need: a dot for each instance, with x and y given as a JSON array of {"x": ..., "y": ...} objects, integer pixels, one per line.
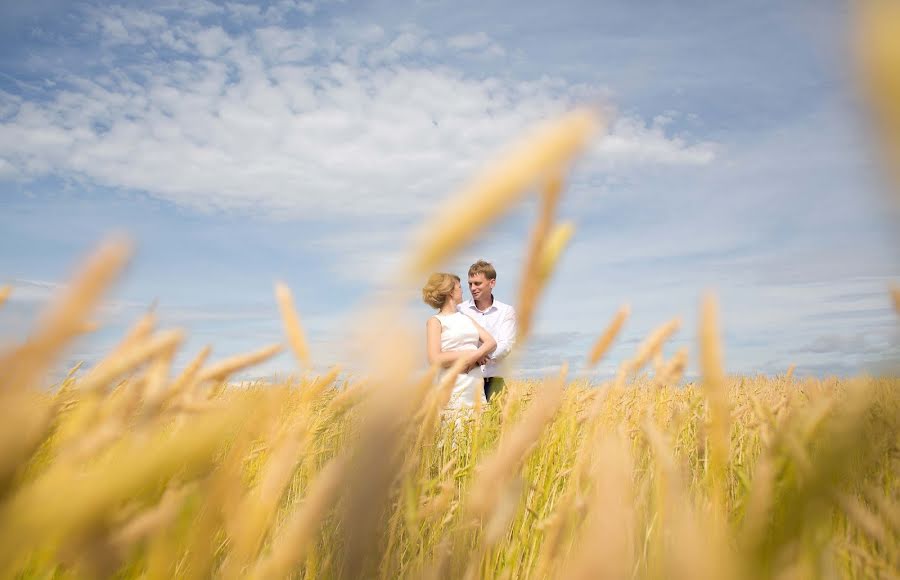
[{"x": 240, "y": 144}]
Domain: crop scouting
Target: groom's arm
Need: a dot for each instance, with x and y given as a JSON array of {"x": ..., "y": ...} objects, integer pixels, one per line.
[{"x": 506, "y": 336}]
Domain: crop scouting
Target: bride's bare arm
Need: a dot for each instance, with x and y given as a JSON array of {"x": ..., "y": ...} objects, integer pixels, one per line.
[
  {"x": 435, "y": 356},
  {"x": 488, "y": 343}
]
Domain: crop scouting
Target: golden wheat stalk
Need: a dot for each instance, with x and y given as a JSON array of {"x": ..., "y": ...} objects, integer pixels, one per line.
[
  {"x": 138, "y": 333},
  {"x": 653, "y": 344},
  {"x": 100, "y": 378},
  {"x": 606, "y": 339},
  {"x": 346, "y": 400},
  {"x": 557, "y": 241},
  {"x": 861, "y": 516},
  {"x": 183, "y": 384},
  {"x": 59, "y": 506},
  {"x": 646, "y": 351},
  {"x": 541, "y": 154},
  {"x": 438, "y": 504},
  {"x": 878, "y": 51},
  {"x": 253, "y": 517},
  {"x": 713, "y": 381},
  {"x": 789, "y": 374},
  {"x": 293, "y": 540},
  {"x": 607, "y": 548},
  {"x": 292, "y": 328},
  {"x": 671, "y": 372},
  {"x": 759, "y": 501},
  {"x": 65, "y": 318},
  {"x": 314, "y": 389},
  {"x": 27, "y": 419},
  {"x": 5, "y": 292},
  {"x": 529, "y": 285},
  {"x": 153, "y": 520},
  {"x": 157, "y": 377},
  {"x": 695, "y": 551},
  {"x": 95, "y": 440},
  {"x": 501, "y": 465},
  {"x": 223, "y": 369}
]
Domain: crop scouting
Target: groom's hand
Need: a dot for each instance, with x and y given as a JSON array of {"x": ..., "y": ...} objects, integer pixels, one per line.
[{"x": 475, "y": 362}]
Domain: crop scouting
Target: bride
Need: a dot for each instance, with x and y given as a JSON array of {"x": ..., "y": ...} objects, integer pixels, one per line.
[{"x": 452, "y": 335}]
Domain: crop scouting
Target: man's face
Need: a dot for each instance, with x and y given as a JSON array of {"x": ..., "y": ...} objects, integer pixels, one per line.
[{"x": 480, "y": 286}]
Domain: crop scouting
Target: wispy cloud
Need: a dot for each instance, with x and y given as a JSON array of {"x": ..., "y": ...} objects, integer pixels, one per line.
[
  {"x": 478, "y": 41},
  {"x": 287, "y": 121}
]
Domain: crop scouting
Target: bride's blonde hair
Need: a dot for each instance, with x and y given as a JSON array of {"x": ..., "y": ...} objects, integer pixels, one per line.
[{"x": 438, "y": 288}]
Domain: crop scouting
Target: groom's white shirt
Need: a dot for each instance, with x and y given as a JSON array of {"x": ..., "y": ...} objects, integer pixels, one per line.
[{"x": 500, "y": 321}]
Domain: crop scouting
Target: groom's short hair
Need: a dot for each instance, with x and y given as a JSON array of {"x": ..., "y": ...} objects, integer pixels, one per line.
[{"x": 482, "y": 267}]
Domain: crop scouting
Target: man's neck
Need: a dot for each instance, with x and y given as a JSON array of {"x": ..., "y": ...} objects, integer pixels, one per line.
[{"x": 484, "y": 303}]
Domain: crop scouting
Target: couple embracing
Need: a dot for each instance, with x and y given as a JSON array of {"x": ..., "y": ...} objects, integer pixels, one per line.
[{"x": 481, "y": 330}]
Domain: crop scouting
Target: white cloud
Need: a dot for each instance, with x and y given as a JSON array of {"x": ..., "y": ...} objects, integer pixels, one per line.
[
  {"x": 631, "y": 141},
  {"x": 211, "y": 41},
  {"x": 469, "y": 41},
  {"x": 478, "y": 41},
  {"x": 117, "y": 25},
  {"x": 9, "y": 104},
  {"x": 276, "y": 120},
  {"x": 196, "y": 8},
  {"x": 7, "y": 170},
  {"x": 32, "y": 296},
  {"x": 243, "y": 11},
  {"x": 273, "y": 13},
  {"x": 24, "y": 290}
]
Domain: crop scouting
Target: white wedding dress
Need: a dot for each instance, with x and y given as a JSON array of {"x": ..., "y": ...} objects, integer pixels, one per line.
[{"x": 458, "y": 332}]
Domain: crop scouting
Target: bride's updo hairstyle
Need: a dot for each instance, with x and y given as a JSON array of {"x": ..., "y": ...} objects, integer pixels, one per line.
[{"x": 438, "y": 288}]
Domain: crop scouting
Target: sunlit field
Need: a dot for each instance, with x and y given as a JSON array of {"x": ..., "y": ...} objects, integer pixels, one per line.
[
  {"x": 768, "y": 477},
  {"x": 132, "y": 468}
]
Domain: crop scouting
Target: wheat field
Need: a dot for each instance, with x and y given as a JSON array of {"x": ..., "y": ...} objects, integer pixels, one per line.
[
  {"x": 554, "y": 479},
  {"x": 131, "y": 470}
]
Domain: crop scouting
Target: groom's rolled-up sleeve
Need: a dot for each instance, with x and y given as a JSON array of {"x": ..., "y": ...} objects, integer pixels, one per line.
[{"x": 506, "y": 335}]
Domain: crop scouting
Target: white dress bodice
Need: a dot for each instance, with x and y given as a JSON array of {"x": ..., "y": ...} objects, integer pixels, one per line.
[{"x": 458, "y": 332}]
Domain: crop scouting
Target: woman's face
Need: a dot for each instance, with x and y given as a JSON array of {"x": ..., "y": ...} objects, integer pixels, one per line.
[{"x": 457, "y": 292}]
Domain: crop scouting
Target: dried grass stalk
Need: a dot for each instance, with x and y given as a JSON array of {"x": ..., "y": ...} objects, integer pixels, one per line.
[
  {"x": 607, "y": 543},
  {"x": 293, "y": 540},
  {"x": 65, "y": 318},
  {"x": 223, "y": 369},
  {"x": 878, "y": 50},
  {"x": 153, "y": 520},
  {"x": 292, "y": 328},
  {"x": 103, "y": 374},
  {"x": 609, "y": 335},
  {"x": 557, "y": 241},
  {"x": 653, "y": 344},
  {"x": 254, "y": 516},
  {"x": 543, "y": 153},
  {"x": 503, "y": 463},
  {"x": 5, "y": 292},
  {"x": 671, "y": 372},
  {"x": 530, "y": 284},
  {"x": 184, "y": 382},
  {"x": 58, "y": 506},
  {"x": 713, "y": 381}
]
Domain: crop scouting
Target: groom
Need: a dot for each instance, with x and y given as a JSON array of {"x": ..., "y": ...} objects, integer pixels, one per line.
[{"x": 497, "y": 318}]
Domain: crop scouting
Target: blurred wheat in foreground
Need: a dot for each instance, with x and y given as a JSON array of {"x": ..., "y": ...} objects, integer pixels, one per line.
[
  {"x": 274, "y": 480},
  {"x": 127, "y": 471}
]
